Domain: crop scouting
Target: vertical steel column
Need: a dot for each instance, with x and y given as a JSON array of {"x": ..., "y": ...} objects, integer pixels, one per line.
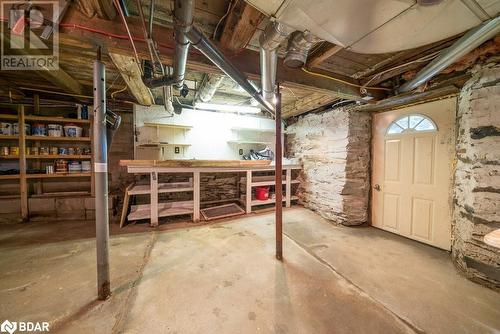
[
  {"x": 101, "y": 179},
  {"x": 279, "y": 175}
]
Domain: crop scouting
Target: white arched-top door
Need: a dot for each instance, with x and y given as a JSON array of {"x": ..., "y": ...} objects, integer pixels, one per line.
[{"x": 413, "y": 150}]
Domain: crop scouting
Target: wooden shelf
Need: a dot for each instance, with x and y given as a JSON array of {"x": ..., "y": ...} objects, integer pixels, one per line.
[
  {"x": 9, "y": 157},
  {"x": 59, "y": 139},
  {"x": 249, "y": 142},
  {"x": 9, "y": 177},
  {"x": 9, "y": 117},
  {"x": 143, "y": 211},
  {"x": 61, "y": 175},
  {"x": 9, "y": 137},
  {"x": 271, "y": 183},
  {"x": 60, "y": 156},
  {"x": 56, "y": 119},
  {"x": 270, "y": 201},
  {"x": 253, "y": 130},
  {"x": 168, "y": 126},
  {"x": 162, "y": 188}
]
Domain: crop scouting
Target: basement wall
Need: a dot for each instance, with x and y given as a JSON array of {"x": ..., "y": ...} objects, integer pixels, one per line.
[
  {"x": 477, "y": 177},
  {"x": 334, "y": 150}
]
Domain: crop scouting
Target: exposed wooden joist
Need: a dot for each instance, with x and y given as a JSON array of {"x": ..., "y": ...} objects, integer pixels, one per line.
[
  {"x": 131, "y": 74},
  {"x": 240, "y": 26},
  {"x": 312, "y": 101},
  {"x": 409, "y": 99},
  {"x": 58, "y": 77},
  {"x": 102, "y": 8},
  {"x": 78, "y": 29},
  {"x": 323, "y": 54}
]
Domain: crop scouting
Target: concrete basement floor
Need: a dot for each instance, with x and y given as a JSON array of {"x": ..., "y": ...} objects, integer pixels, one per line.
[{"x": 223, "y": 278}]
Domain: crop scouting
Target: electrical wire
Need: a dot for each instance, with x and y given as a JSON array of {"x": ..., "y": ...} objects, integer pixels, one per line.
[
  {"x": 419, "y": 60},
  {"x": 222, "y": 18},
  {"x": 343, "y": 81},
  {"x": 118, "y": 91},
  {"x": 119, "y": 9}
]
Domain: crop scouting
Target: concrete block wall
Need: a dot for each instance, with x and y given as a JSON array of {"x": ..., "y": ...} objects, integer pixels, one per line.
[
  {"x": 477, "y": 177},
  {"x": 334, "y": 150}
]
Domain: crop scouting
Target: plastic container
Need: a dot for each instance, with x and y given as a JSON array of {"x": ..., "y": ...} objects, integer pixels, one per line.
[
  {"x": 39, "y": 129},
  {"x": 262, "y": 193},
  {"x": 15, "y": 129},
  {"x": 73, "y": 131},
  {"x": 55, "y": 130},
  {"x": 74, "y": 167},
  {"x": 4, "y": 151},
  {"x": 6, "y": 129},
  {"x": 62, "y": 151},
  {"x": 86, "y": 166}
]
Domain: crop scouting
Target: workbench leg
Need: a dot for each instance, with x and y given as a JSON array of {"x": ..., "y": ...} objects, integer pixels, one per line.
[
  {"x": 248, "y": 195},
  {"x": 196, "y": 197},
  {"x": 288, "y": 188},
  {"x": 154, "y": 198}
]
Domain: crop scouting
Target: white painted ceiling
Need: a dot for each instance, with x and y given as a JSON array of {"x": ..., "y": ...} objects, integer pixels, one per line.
[{"x": 379, "y": 26}]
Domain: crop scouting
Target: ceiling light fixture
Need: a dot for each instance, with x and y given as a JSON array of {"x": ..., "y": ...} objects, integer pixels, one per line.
[{"x": 227, "y": 107}]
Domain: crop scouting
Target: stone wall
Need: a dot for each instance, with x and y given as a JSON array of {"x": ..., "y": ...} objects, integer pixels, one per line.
[
  {"x": 334, "y": 150},
  {"x": 477, "y": 177}
]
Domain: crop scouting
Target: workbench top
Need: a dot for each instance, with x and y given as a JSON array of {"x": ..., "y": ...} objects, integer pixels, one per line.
[{"x": 203, "y": 164}]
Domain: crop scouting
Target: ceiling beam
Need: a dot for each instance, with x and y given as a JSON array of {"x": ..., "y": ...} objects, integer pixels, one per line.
[
  {"x": 131, "y": 74},
  {"x": 241, "y": 24},
  {"x": 58, "y": 77},
  {"x": 311, "y": 102},
  {"x": 78, "y": 29},
  {"x": 322, "y": 54}
]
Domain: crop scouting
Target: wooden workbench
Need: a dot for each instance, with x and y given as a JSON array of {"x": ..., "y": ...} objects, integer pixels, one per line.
[{"x": 196, "y": 167}]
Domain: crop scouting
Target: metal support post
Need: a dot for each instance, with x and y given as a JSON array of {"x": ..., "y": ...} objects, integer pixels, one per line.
[{"x": 279, "y": 175}]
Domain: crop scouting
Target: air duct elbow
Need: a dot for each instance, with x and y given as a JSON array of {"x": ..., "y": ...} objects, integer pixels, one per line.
[
  {"x": 273, "y": 35},
  {"x": 299, "y": 45}
]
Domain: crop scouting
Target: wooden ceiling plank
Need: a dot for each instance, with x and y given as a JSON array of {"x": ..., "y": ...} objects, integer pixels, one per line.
[
  {"x": 241, "y": 24},
  {"x": 315, "y": 59},
  {"x": 131, "y": 74},
  {"x": 78, "y": 30}
]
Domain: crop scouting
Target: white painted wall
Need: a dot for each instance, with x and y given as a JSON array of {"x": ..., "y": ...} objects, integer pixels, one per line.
[{"x": 208, "y": 137}]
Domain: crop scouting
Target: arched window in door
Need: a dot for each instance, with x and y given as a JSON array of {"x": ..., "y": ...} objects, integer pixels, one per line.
[{"x": 412, "y": 123}]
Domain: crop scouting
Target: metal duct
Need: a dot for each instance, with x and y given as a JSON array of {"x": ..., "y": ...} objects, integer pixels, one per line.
[
  {"x": 205, "y": 46},
  {"x": 298, "y": 48},
  {"x": 460, "y": 48},
  {"x": 270, "y": 39},
  {"x": 183, "y": 21},
  {"x": 208, "y": 87}
]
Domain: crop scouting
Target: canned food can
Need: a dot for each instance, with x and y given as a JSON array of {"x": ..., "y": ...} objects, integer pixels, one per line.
[
  {"x": 44, "y": 150},
  {"x": 14, "y": 150},
  {"x": 71, "y": 150},
  {"x": 39, "y": 129},
  {"x": 6, "y": 128},
  {"x": 53, "y": 150},
  {"x": 4, "y": 151},
  {"x": 34, "y": 150},
  {"x": 63, "y": 151}
]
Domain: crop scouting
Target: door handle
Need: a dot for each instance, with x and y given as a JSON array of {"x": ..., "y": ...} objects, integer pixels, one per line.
[{"x": 376, "y": 187}]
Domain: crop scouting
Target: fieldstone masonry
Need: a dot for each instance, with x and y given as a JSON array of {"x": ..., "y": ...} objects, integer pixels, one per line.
[
  {"x": 334, "y": 149},
  {"x": 477, "y": 177}
]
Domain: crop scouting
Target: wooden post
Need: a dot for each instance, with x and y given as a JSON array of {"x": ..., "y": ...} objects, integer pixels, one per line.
[
  {"x": 196, "y": 196},
  {"x": 288, "y": 188},
  {"x": 248, "y": 195},
  {"x": 37, "y": 164},
  {"x": 278, "y": 172},
  {"x": 22, "y": 165},
  {"x": 154, "y": 198}
]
